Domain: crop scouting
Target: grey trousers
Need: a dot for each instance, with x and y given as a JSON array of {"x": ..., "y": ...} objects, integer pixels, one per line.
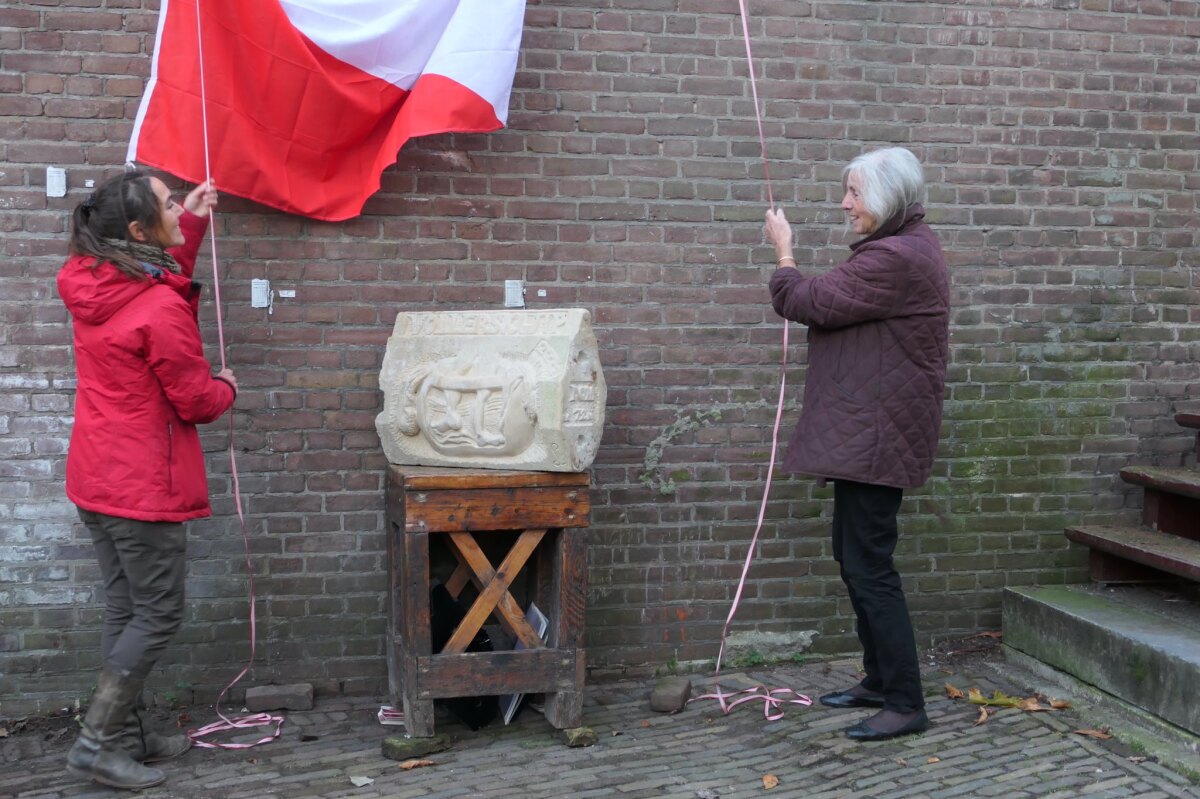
[{"x": 143, "y": 565}]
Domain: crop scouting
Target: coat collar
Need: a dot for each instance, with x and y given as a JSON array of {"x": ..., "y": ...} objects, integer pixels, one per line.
[{"x": 900, "y": 222}]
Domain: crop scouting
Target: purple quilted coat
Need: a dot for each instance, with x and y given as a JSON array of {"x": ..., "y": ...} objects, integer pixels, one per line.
[{"x": 878, "y": 330}]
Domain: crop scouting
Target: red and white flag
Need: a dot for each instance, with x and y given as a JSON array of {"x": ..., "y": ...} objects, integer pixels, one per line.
[{"x": 308, "y": 101}]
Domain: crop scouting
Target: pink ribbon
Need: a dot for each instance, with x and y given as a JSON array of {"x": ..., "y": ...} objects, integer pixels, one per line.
[
  {"x": 762, "y": 508},
  {"x": 762, "y": 140},
  {"x": 261, "y": 719},
  {"x": 771, "y": 698}
]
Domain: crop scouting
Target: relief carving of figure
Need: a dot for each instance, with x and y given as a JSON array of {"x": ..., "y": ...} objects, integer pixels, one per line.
[{"x": 468, "y": 408}]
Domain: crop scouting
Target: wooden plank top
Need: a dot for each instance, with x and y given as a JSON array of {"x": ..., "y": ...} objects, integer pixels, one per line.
[
  {"x": 1188, "y": 420},
  {"x": 1184, "y": 482},
  {"x": 432, "y": 478},
  {"x": 1169, "y": 553}
]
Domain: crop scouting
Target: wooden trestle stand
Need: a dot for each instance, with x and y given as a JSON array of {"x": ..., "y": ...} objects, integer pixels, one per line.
[{"x": 550, "y": 510}]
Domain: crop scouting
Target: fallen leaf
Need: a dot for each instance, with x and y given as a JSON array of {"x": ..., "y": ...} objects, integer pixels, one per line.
[
  {"x": 359, "y": 782},
  {"x": 1031, "y": 705},
  {"x": 57, "y": 734},
  {"x": 770, "y": 781},
  {"x": 901, "y": 761},
  {"x": 997, "y": 699},
  {"x": 953, "y": 692},
  {"x": 1136, "y": 759},
  {"x": 1101, "y": 734},
  {"x": 3, "y": 732},
  {"x": 934, "y": 760},
  {"x": 409, "y": 765},
  {"x": 1059, "y": 704},
  {"x": 983, "y": 715},
  {"x": 182, "y": 720},
  {"x": 252, "y": 761},
  {"x": 646, "y": 723}
]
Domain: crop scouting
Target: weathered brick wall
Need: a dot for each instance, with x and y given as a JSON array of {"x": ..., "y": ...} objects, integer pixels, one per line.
[{"x": 1060, "y": 139}]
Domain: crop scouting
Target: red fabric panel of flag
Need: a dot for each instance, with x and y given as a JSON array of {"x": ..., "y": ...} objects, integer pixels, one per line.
[{"x": 308, "y": 101}]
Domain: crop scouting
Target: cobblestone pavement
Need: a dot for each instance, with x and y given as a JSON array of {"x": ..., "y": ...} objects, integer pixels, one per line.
[{"x": 696, "y": 754}]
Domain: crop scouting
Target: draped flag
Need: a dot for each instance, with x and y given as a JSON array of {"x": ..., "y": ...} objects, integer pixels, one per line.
[{"x": 308, "y": 101}]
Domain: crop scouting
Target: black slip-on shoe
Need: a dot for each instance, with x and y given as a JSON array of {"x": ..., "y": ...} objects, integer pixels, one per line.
[
  {"x": 862, "y": 732},
  {"x": 843, "y": 700}
]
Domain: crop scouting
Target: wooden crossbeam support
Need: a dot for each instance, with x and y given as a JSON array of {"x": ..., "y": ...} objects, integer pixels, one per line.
[
  {"x": 462, "y": 575},
  {"x": 495, "y": 590},
  {"x": 549, "y": 512},
  {"x": 509, "y": 613}
]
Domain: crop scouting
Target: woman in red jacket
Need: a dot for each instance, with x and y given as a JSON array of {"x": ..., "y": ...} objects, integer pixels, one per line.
[
  {"x": 878, "y": 333},
  {"x": 135, "y": 468}
]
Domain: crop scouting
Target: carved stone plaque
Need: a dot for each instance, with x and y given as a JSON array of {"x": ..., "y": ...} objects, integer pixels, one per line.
[{"x": 493, "y": 389}]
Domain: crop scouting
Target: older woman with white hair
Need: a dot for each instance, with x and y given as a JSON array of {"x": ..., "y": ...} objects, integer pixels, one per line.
[{"x": 878, "y": 329}]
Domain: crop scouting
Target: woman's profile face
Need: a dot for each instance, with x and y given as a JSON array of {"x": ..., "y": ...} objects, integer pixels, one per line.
[
  {"x": 167, "y": 234},
  {"x": 852, "y": 203}
]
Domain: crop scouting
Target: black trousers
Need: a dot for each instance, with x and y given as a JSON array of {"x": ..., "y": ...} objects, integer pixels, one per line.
[
  {"x": 864, "y": 538},
  {"x": 143, "y": 565}
]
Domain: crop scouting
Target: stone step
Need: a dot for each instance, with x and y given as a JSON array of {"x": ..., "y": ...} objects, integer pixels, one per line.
[
  {"x": 1165, "y": 552},
  {"x": 1139, "y": 645}
]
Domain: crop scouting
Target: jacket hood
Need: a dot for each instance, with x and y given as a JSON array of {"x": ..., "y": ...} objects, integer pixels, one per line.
[{"x": 93, "y": 295}]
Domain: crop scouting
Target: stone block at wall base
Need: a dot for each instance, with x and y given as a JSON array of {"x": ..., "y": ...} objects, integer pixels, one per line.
[{"x": 280, "y": 697}]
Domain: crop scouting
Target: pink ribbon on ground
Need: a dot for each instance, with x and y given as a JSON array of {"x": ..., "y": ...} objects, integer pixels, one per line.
[
  {"x": 772, "y": 698},
  {"x": 260, "y": 719}
]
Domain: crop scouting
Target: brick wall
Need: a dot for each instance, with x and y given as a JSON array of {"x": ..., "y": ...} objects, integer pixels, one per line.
[{"x": 1060, "y": 142}]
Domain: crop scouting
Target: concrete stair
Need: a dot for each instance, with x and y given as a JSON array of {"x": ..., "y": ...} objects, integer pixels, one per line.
[
  {"x": 1138, "y": 644},
  {"x": 1168, "y": 542},
  {"x": 1134, "y": 633}
]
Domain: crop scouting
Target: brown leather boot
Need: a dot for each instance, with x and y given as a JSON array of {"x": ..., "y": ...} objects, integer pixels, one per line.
[{"x": 97, "y": 753}]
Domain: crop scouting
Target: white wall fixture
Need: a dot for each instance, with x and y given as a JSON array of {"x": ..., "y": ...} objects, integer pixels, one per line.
[
  {"x": 260, "y": 294},
  {"x": 514, "y": 294},
  {"x": 56, "y": 181}
]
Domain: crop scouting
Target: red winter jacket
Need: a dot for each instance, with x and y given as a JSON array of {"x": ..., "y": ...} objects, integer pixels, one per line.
[
  {"x": 878, "y": 340},
  {"x": 143, "y": 386}
]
